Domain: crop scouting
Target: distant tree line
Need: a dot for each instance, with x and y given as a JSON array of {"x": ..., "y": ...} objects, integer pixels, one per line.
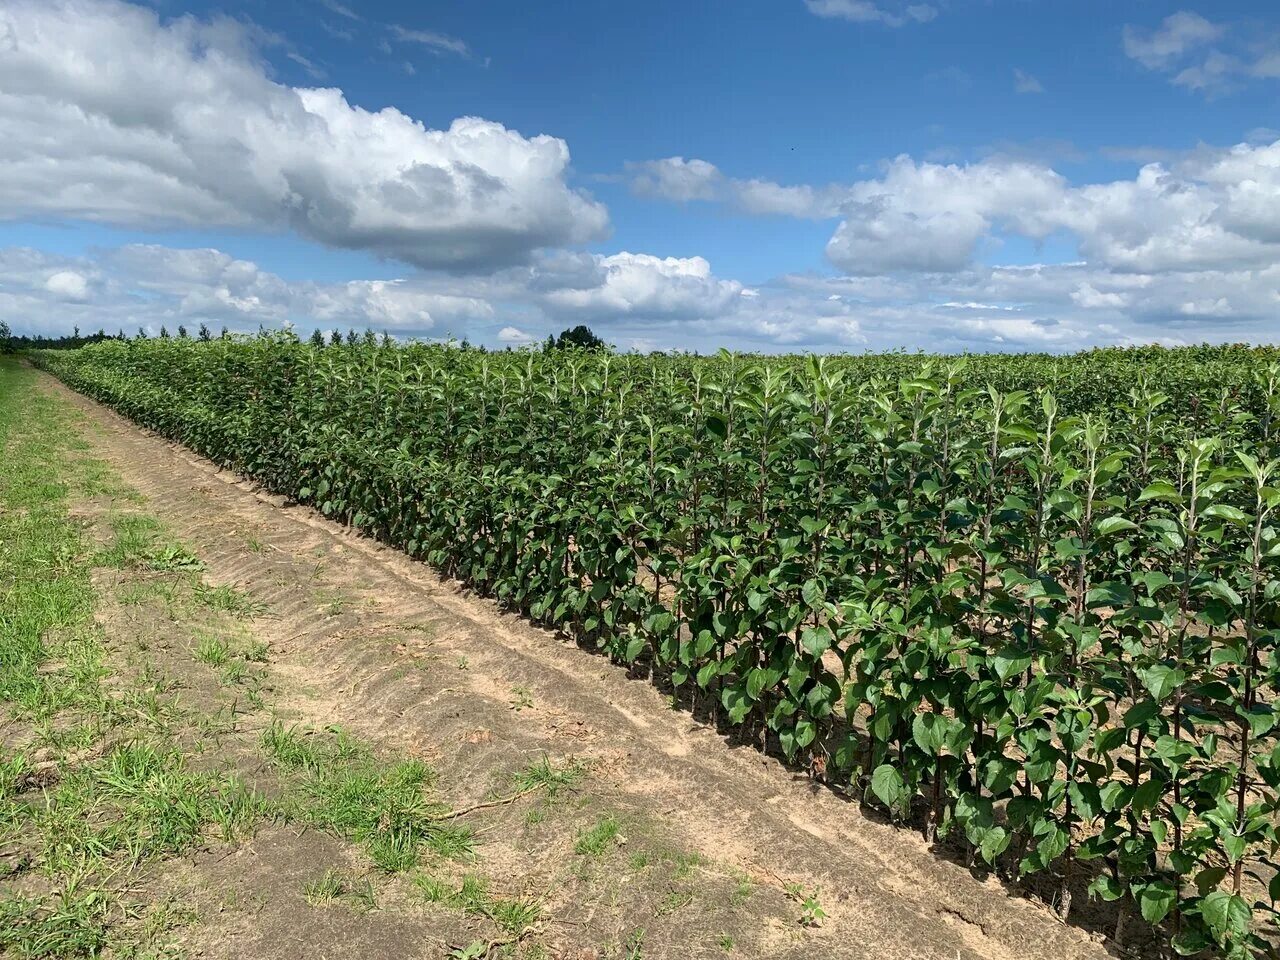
[
  {"x": 579, "y": 337},
  {"x": 11, "y": 344}
]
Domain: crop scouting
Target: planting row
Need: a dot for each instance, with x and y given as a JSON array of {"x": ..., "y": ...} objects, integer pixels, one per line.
[{"x": 1033, "y": 601}]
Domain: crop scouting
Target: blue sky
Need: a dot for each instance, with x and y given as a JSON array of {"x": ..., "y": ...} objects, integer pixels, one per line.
[{"x": 829, "y": 174}]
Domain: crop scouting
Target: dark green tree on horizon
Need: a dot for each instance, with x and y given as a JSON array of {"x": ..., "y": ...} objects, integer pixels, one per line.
[{"x": 580, "y": 337}]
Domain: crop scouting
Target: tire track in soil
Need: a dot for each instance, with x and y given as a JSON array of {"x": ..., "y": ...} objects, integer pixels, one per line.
[{"x": 365, "y": 637}]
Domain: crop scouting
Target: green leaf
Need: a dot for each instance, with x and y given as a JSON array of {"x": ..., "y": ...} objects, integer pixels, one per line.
[
  {"x": 1011, "y": 662},
  {"x": 1155, "y": 900},
  {"x": 929, "y": 730},
  {"x": 816, "y": 640},
  {"x": 1190, "y": 942},
  {"x": 760, "y": 679},
  {"x": 1233, "y": 845},
  {"x": 1226, "y": 512},
  {"x": 1113, "y": 525},
  {"x": 1226, "y": 915},
  {"x": 812, "y": 525},
  {"x": 1159, "y": 831},
  {"x": 814, "y": 594},
  {"x": 1160, "y": 490},
  {"x": 1147, "y": 796},
  {"x": 995, "y": 840},
  {"x": 1106, "y": 887},
  {"x": 888, "y": 785},
  {"x": 635, "y": 646},
  {"x": 1072, "y": 729},
  {"x": 1161, "y": 680},
  {"x": 1112, "y": 795},
  {"x": 1223, "y": 592},
  {"x": 708, "y": 671},
  {"x": 1209, "y": 878},
  {"x": 1140, "y": 713},
  {"x": 806, "y": 731},
  {"x": 1022, "y": 809},
  {"x": 737, "y": 703}
]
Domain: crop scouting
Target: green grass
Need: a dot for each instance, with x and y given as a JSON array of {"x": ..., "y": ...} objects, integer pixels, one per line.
[
  {"x": 340, "y": 787},
  {"x": 599, "y": 838},
  {"x": 256, "y": 651},
  {"x": 550, "y": 779},
  {"x": 117, "y": 789},
  {"x": 138, "y": 543},
  {"x": 513, "y": 916},
  {"x": 331, "y": 885},
  {"x": 68, "y": 924},
  {"x": 227, "y": 599},
  {"x": 50, "y": 654},
  {"x": 133, "y": 540},
  {"x": 291, "y": 748},
  {"x": 236, "y": 671},
  {"x": 214, "y": 651},
  {"x": 174, "y": 556},
  {"x": 472, "y": 897},
  {"x": 139, "y": 802},
  {"x": 335, "y": 783},
  {"x": 452, "y": 841}
]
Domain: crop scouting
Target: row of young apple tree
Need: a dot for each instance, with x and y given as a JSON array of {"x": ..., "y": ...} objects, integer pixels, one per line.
[{"x": 1043, "y": 620}]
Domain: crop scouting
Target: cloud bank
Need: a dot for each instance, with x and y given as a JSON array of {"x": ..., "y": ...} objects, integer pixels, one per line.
[{"x": 109, "y": 114}]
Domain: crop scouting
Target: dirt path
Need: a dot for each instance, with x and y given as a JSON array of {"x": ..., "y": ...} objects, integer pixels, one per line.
[{"x": 709, "y": 833}]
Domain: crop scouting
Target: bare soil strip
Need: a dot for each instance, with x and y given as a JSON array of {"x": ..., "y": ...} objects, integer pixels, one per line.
[{"x": 674, "y": 844}]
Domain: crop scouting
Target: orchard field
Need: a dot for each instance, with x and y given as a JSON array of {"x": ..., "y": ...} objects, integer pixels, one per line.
[{"x": 1026, "y": 603}]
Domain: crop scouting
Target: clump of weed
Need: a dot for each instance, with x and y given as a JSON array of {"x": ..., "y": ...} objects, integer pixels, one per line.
[
  {"x": 331, "y": 885},
  {"x": 453, "y": 842},
  {"x": 132, "y": 543},
  {"x": 344, "y": 789},
  {"x": 213, "y": 651},
  {"x": 595, "y": 840},
  {"x": 174, "y": 556},
  {"x": 227, "y": 599},
  {"x": 472, "y": 896},
  {"x": 811, "y": 912},
  {"x": 69, "y": 924},
  {"x": 292, "y": 748},
  {"x": 521, "y": 698},
  {"x": 550, "y": 779}
]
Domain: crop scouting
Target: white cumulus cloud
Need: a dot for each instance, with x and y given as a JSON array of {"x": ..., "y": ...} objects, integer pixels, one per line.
[
  {"x": 1024, "y": 82},
  {"x": 868, "y": 11},
  {"x": 637, "y": 284},
  {"x": 1213, "y": 208},
  {"x": 675, "y": 178},
  {"x": 68, "y": 285},
  {"x": 1179, "y": 33},
  {"x": 933, "y": 217},
  {"x": 433, "y": 41},
  {"x": 681, "y": 180},
  {"x": 109, "y": 114},
  {"x": 654, "y": 302},
  {"x": 513, "y": 335},
  {"x": 1201, "y": 55}
]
